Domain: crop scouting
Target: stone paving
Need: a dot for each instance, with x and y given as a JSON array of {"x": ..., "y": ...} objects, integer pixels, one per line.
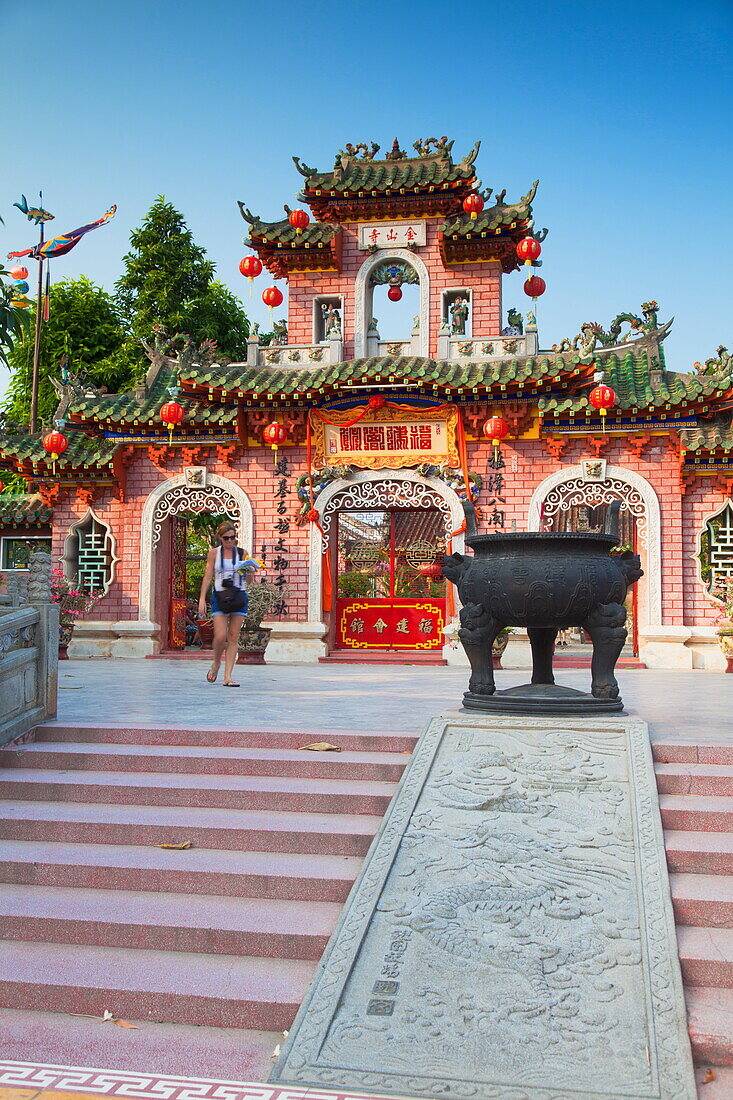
[{"x": 675, "y": 704}]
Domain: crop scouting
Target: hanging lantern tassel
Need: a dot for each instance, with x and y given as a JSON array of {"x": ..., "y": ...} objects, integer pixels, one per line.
[
  {"x": 274, "y": 435},
  {"x": 496, "y": 429},
  {"x": 602, "y": 398}
]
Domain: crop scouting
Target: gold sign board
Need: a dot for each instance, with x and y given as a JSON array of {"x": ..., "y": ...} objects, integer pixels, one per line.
[{"x": 389, "y": 437}]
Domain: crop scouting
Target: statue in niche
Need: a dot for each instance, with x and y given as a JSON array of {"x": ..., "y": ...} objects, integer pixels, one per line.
[
  {"x": 331, "y": 320},
  {"x": 458, "y": 315},
  {"x": 515, "y": 324}
]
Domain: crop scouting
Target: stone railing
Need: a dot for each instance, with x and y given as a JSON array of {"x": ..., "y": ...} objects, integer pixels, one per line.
[
  {"x": 29, "y": 646},
  {"x": 493, "y": 347},
  {"x": 296, "y": 356}
]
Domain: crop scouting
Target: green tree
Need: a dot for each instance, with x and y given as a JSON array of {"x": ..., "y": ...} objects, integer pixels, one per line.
[
  {"x": 169, "y": 285},
  {"x": 84, "y": 325}
]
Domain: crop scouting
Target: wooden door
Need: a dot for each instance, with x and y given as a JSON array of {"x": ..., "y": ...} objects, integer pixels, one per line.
[{"x": 177, "y": 603}]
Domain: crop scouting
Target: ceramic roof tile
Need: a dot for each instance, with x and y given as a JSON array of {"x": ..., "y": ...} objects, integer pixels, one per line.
[
  {"x": 20, "y": 510},
  {"x": 708, "y": 435}
]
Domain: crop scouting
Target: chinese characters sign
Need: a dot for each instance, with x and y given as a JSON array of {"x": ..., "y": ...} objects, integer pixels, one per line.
[
  {"x": 399, "y": 235},
  {"x": 398, "y": 624},
  {"x": 386, "y": 438}
]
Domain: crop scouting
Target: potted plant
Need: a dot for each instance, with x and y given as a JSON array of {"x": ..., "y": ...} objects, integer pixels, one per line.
[
  {"x": 253, "y": 637},
  {"x": 72, "y": 603},
  {"x": 722, "y": 591}
]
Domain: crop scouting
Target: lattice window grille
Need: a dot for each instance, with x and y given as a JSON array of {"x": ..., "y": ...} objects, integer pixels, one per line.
[
  {"x": 716, "y": 549},
  {"x": 90, "y": 554}
]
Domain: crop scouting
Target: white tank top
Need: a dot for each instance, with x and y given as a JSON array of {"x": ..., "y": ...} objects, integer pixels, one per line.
[{"x": 224, "y": 568}]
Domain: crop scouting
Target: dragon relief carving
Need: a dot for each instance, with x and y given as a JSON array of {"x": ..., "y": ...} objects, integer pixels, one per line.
[{"x": 592, "y": 334}]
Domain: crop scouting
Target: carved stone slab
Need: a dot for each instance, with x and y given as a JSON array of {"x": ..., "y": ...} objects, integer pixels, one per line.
[{"x": 511, "y": 935}]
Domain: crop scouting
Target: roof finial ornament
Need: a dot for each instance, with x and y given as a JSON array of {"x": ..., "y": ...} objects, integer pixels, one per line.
[
  {"x": 246, "y": 213},
  {"x": 303, "y": 168},
  {"x": 471, "y": 155},
  {"x": 442, "y": 145},
  {"x": 396, "y": 153}
]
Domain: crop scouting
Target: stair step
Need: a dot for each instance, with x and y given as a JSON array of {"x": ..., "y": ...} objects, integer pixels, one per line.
[
  {"x": 254, "y": 830},
  {"x": 702, "y": 900},
  {"x": 181, "y": 1050},
  {"x": 168, "y": 922},
  {"x": 348, "y": 740},
  {"x": 214, "y": 760},
  {"x": 693, "y": 752},
  {"x": 167, "y": 986},
  {"x": 236, "y": 792},
  {"x": 711, "y": 812},
  {"x": 699, "y": 853},
  {"x": 706, "y": 956},
  {"x": 240, "y": 874},
  {"x": 710, "y": 1016},
  {"x": 695, "y": 779}
]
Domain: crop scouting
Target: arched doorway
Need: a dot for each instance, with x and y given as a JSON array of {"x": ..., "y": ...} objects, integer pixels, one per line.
[
  {"x": 577, "y": 498},
  {"x": 376, "y": 266},
  {"x": 163, "y": 542},
  {"x": 379, "y": 529}
]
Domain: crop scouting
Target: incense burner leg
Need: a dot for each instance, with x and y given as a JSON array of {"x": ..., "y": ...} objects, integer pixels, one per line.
[
  {"x": 477, "y": 634},
  {"x": 605, "y": 624},
  {"x": 542, "y": 640}
]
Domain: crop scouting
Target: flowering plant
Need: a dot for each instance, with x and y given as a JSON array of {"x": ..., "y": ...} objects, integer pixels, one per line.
[
  {"x": 722, "y": 591},
  {"x": 72, "y": 602}
]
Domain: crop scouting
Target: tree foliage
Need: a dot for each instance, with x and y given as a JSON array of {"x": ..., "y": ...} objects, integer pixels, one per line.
[{"x": 84, "y": 326}]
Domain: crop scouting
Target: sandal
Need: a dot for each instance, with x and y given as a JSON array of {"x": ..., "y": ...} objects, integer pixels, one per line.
[
  {"x": 212, "y": 674},
  {"x": 229, "y": 684}
]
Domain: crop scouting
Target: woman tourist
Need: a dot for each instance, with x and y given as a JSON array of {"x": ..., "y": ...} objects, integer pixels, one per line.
[{"x": 228, "y": 566}]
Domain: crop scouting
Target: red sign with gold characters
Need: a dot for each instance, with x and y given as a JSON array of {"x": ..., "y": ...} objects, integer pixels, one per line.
[
  {"x": 390, "y": 437},
  {"x": 390, "y": 624}
]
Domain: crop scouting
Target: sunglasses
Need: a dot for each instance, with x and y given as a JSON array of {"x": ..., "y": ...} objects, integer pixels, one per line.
[{"x": 225, "y": 538}]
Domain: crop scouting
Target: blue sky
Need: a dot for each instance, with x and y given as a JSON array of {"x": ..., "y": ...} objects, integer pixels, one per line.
[{"x": 622, "y": 110}]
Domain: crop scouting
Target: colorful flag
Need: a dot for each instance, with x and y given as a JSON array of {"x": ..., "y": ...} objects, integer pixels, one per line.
[{"x": 59, "y": 246}]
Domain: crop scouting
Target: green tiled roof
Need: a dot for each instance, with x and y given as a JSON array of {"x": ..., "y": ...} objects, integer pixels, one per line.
[
  {"x": 410, "y": 173},
  {"x": 316, "y": 234},
  {"x": 83, "y": 450},
  {"x": 491, "y": 218},
  {"x": 23, "y": 510},
  {"x": 708, "y": 435},
  {"x": 236, "y": 378},
  {"x": 125, "y": 408},
  {"x": 629, "y": 376}
]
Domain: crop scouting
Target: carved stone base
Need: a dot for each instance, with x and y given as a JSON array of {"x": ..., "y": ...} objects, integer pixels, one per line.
[
  {"x": 511, "y": 935},
  {"x": 542, "y": 699}
]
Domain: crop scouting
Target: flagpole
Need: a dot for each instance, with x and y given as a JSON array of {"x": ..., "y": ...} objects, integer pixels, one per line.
[{"x": 37, "y": 344}]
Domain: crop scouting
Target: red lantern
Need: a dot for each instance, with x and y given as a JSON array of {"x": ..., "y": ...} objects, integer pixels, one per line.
[
  {"x": 535, "y": 286},
  {"x": 602, "y": 398},
  {"x": 377, "y": 401},
  {"x": 272, "y": 296},
  {"x": 2, "y": 486},
  {"x": 18, "y": 272},
  {"x": 473, "y": 204},
  {"x": 274, "y": 434},
  {"x": 528, "y": 250},
  {"x": 171, "y": 414},
  {"x": 394, "y": 293},
  {"x": 250, "y": 267},
  {"x": 299, "y": 220},
  {"x": 433, "y": 570},
  {"x": 496, "y": 429},
  {"x": 55, "y": 443}
]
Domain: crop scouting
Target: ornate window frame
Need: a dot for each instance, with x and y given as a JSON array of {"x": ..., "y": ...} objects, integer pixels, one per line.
[
  {"x": 702, "y": 547},
  {"x": 73, "y": 547}
]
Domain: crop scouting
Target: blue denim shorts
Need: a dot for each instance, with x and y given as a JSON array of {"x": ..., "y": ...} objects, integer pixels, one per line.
[{"x": 216, "y": 610}]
